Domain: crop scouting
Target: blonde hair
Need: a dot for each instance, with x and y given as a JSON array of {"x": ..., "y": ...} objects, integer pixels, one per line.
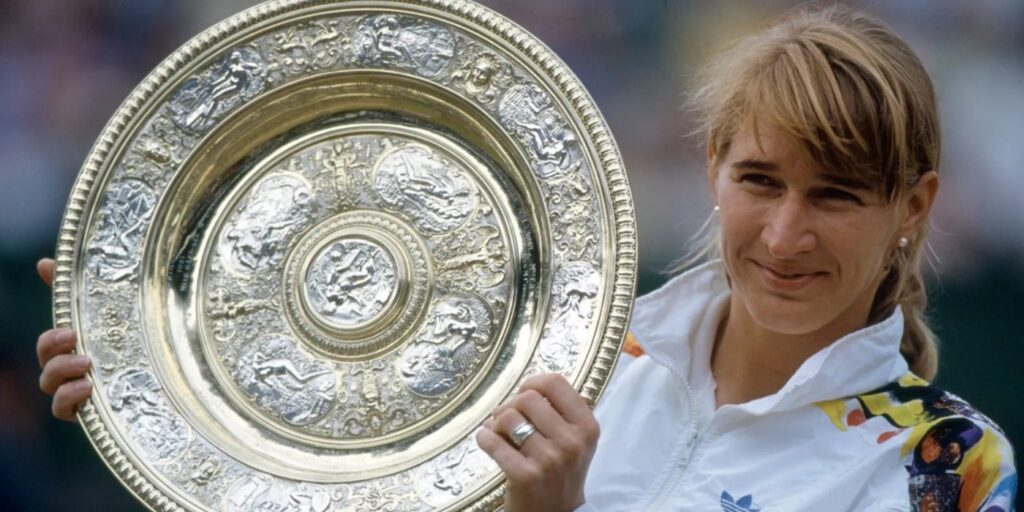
[{"x": 858, "y": 100}]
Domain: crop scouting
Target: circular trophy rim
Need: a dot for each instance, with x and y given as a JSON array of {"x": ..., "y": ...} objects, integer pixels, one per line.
[{"x": 621, "y": 253}]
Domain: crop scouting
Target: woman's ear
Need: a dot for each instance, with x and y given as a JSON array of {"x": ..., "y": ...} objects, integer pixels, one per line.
[{"x": 918, "y": 205}]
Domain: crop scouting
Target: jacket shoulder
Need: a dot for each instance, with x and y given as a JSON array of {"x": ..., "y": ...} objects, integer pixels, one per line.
[{"x": 956, "y": 458}]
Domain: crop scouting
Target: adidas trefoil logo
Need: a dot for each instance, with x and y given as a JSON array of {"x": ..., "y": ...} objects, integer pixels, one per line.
[{"x": 743, "y": 504}]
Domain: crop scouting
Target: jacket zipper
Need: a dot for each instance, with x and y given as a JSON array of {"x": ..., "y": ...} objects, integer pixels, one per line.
[{"x": 679, "y": 469}]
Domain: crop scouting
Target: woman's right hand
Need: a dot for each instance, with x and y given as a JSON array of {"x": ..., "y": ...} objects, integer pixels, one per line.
[{"x": 63, "y": 374}]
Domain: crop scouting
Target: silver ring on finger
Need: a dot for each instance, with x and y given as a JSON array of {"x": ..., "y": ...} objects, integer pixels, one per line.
[{"x": 521, "y": 433}]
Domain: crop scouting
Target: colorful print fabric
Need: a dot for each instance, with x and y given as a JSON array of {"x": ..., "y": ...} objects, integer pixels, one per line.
[
  {"x": 631, "y": 346},
  {"x": 956, "y": 458}
]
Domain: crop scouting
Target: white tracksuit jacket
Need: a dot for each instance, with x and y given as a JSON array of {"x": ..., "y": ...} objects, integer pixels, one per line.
[{"x": 851, "y": 430}]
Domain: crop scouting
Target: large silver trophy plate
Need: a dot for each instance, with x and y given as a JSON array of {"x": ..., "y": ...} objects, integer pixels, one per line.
[{"x": 323, "y": 240}]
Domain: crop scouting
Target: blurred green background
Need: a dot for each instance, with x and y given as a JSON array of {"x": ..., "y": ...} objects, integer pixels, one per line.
[{"x": 66, "y": 66}]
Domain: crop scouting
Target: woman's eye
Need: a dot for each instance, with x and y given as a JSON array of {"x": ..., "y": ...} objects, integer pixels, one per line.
[
  {"x": 841, "y": 195},
  {"x": 758, "y": 179}
]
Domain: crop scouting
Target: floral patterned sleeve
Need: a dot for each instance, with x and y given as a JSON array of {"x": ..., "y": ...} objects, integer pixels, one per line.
[
  {"x": 961, "y": 463},
  {"x": 957, "y": 459}
]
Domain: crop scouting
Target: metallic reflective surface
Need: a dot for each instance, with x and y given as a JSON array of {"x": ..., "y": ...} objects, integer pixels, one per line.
[
  {"x": 323, "y": 240},
  {"x": 349, "y": 282}
]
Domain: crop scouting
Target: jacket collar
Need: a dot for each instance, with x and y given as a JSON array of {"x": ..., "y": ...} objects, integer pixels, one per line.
[{"x": 676, "y": 325}]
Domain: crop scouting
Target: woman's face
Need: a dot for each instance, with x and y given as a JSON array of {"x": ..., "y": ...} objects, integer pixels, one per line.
[{"x": 805, "y": 249}]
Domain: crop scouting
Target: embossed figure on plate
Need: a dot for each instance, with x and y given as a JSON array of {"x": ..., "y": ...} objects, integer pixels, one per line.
[
  {"x": 378, "y": 496},
  {"x": 343, "y": 169},
  {"x": 403, "y": 42},
  {"x": 203, "y": 99},
  {"x": 259, "y": 230},
  {"x": 284, "y": 381},
  {"x": 473, "y": 259},
  {"x": 307, "y": 48},
  {"x": 350, "y": 282},
  {"x": 575, "y": 283},
  {"x": 434, "y": 193},
  {"x": 205, "y": 472},
  {"x": 528, "y": 112},
  {"x": 573, "y": 222},
  {"x": 114, "y": 251},
  {"x": 451, "y": 471},
  {"x": 161, "y": 147},
  {"x": 159, "y": 431},
  {"x": 483, "y": 76},
  {"x": 226, "y": 307},
  {"x": 376, "y": 403},
  {"x": 257, "y": 492},
  {"x": 448, "y": 346},
  {"x": 575, "y": 287}
]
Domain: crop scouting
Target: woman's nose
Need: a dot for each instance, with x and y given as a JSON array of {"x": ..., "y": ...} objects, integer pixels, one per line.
[{"x": 787, "y": 230}]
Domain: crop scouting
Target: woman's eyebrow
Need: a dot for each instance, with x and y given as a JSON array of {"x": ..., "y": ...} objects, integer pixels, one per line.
[
  {"x": 754, "y": 164},
  {"x": 769, "y": 166},
  {"x": 843, "y": 181}
]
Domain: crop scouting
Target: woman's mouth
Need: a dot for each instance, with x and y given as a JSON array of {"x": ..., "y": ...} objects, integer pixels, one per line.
[{"x": 785, "y": 279}]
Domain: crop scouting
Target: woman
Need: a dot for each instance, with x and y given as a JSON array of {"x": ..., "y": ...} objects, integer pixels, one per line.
[{"x": 786, "y": 373}]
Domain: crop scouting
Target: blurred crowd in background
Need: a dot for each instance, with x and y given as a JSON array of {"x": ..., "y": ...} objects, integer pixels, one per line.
[{"x": 65, "y": 66}]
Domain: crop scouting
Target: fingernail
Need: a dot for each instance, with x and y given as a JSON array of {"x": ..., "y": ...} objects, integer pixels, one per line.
[
  {"x": 81, "y": 362},
  {"x": 66, "y": 336},
  {"x": 83, "y": 385}
]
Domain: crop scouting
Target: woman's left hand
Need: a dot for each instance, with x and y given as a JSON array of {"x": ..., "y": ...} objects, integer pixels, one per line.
[{"x": 547, "y": 472}]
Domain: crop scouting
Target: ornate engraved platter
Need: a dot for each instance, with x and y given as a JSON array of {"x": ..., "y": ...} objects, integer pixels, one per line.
[{"x": 323, "y": 240}]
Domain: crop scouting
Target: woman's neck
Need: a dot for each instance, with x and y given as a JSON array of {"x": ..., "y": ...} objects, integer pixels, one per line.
[{"x": 750, "y": 362}]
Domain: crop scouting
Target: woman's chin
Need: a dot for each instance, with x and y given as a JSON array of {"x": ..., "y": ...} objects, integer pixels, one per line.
[{"x": 788, "y": 317}]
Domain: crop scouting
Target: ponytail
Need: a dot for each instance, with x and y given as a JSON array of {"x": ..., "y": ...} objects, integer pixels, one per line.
[{"x": 903, "y": 287}]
